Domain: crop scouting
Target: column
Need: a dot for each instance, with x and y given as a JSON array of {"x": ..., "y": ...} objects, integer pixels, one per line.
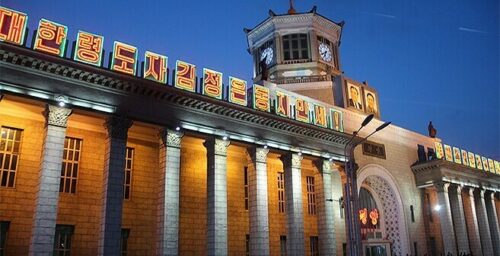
[
  {"x": 493, "y": 220},
  {"x": 447, "y": 231},
  {"x": 471, "y": 218},
  {"x": 47, "y": 193},
  {"x": 216, "y": 197},
  {"x": 258, "y": 207},
  {"x": 112, "y": 194},
  {"x": 457, "y": 210},
  {"x": 167, "y": 232},
  {"x": 326, "y": 223},
  {"x": 295, "y": 216},
  {"x": 483, "y": 223}
]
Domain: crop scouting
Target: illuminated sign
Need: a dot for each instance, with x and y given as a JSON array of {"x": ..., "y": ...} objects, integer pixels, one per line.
[
  {"x": 301, "y": 110},
  {"x": 374, "y": 216},
  {"x": 479, "y": 163},
  {"x": 124, "y": 58},
  {"x": 485, "y": 164},
  {"x": 12, "y": 26},
  {"x": 51, "y": 37},
  {"x": 282, "y": 104},
  {"x": 447, "y": 153},
  {"x": 155, "y": 67},
  {"x": 472, "y": 161},
  {"x": 212, "y": 83},
  {"x": 89, "y": 48},
  {"x": 237, "y": 91},
  {"x": 491, "y": 165},
  {"x": 456, "y": 155},
  {"x": 336, "y": 120},
  {"x": 363, "y": 216},
  {"x": 320, "y": 116},
  {"x": 185, "y": 76},
  {"x": 439, "y": 150},
  {"x": 465, "y": 160},
  {"x": 261, "y": 98}
]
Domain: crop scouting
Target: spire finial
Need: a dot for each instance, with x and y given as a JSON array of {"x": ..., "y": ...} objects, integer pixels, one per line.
[{"x": 291, "y": 10}]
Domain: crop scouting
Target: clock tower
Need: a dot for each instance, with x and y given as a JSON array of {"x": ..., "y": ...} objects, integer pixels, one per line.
[{"x": 298, "y": 52}]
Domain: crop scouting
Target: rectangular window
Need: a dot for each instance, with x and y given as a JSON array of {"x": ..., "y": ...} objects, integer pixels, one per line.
[
  {"x": 344, "y": 249},
  {"x": 311, "y": 196},
  {"x": 62, "y": 242},
  {"x": 70, "y": 165},
  {"x": 124, "y": 240},
  {"x": 281, "y": 192},
  {"x": 245, "y": 173},
  {"x": 282, "y": 245},
  {"x": 10, "y": 143},
  {"x": 295, "y": 47},
  {"x": 314, "y": 246},
  {"x": 127, "y": 181},
  {"x": 412, "y": 214},
  {"x": 341, "y": 207},
  {"x": 247, "y": 245},
  {"x": 4, "y": 228},
  {"x": 415, "y": 248}
]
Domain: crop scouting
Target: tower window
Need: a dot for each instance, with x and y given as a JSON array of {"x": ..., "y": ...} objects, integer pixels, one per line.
[{"x": 295, "y": 47}]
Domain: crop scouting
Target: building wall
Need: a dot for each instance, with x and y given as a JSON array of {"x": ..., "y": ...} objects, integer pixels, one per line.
[
  {"x": 83, "y": 209},
  {"x": 17, "y": 204},
  {"x": 401, "y": 152}
]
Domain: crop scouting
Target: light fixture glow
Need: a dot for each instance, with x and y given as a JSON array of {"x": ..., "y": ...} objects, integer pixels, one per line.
[
  {"x": 224, "y": 138},
  {"x": 177, "y": 128},
  {"x": 437, "y": 208},
  {"x": 61, "y": 104}
]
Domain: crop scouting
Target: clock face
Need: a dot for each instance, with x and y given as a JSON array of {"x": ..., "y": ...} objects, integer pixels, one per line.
[
  {"x": 325, "y": 52},
  {"x": 267, "y": 55}
]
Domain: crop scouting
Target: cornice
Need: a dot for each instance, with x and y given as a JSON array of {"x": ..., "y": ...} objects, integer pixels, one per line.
[{"x": 114, "y": 87}]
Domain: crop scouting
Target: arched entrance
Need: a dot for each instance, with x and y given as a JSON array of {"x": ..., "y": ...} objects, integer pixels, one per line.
[{"x": 380, "y": 185}]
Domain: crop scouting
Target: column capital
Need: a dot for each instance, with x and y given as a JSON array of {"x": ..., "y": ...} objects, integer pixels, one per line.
[
  {"x": 171, "y": 138},
  {"x": 481, "y": 192},
  {"x": 118, "y": 126},
  {"x": 324, "y": 166},
  {"x": 56, "y": 116},
  {"x": 293, "y": 159},
  {"x": 218, "y": 146},
  {"x": 258, "y": 154},
  {"x": 442, "y": 186}
]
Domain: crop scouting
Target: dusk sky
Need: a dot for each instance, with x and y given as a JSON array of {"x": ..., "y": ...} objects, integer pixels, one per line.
[{"x": 428, "y": 59}]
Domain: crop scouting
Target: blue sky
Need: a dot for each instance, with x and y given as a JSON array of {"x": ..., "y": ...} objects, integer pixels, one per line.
[{"x": 429, "y": 60}]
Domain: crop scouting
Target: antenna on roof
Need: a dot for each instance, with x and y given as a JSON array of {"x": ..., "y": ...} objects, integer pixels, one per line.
[{"x": 291, "y": 10}]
